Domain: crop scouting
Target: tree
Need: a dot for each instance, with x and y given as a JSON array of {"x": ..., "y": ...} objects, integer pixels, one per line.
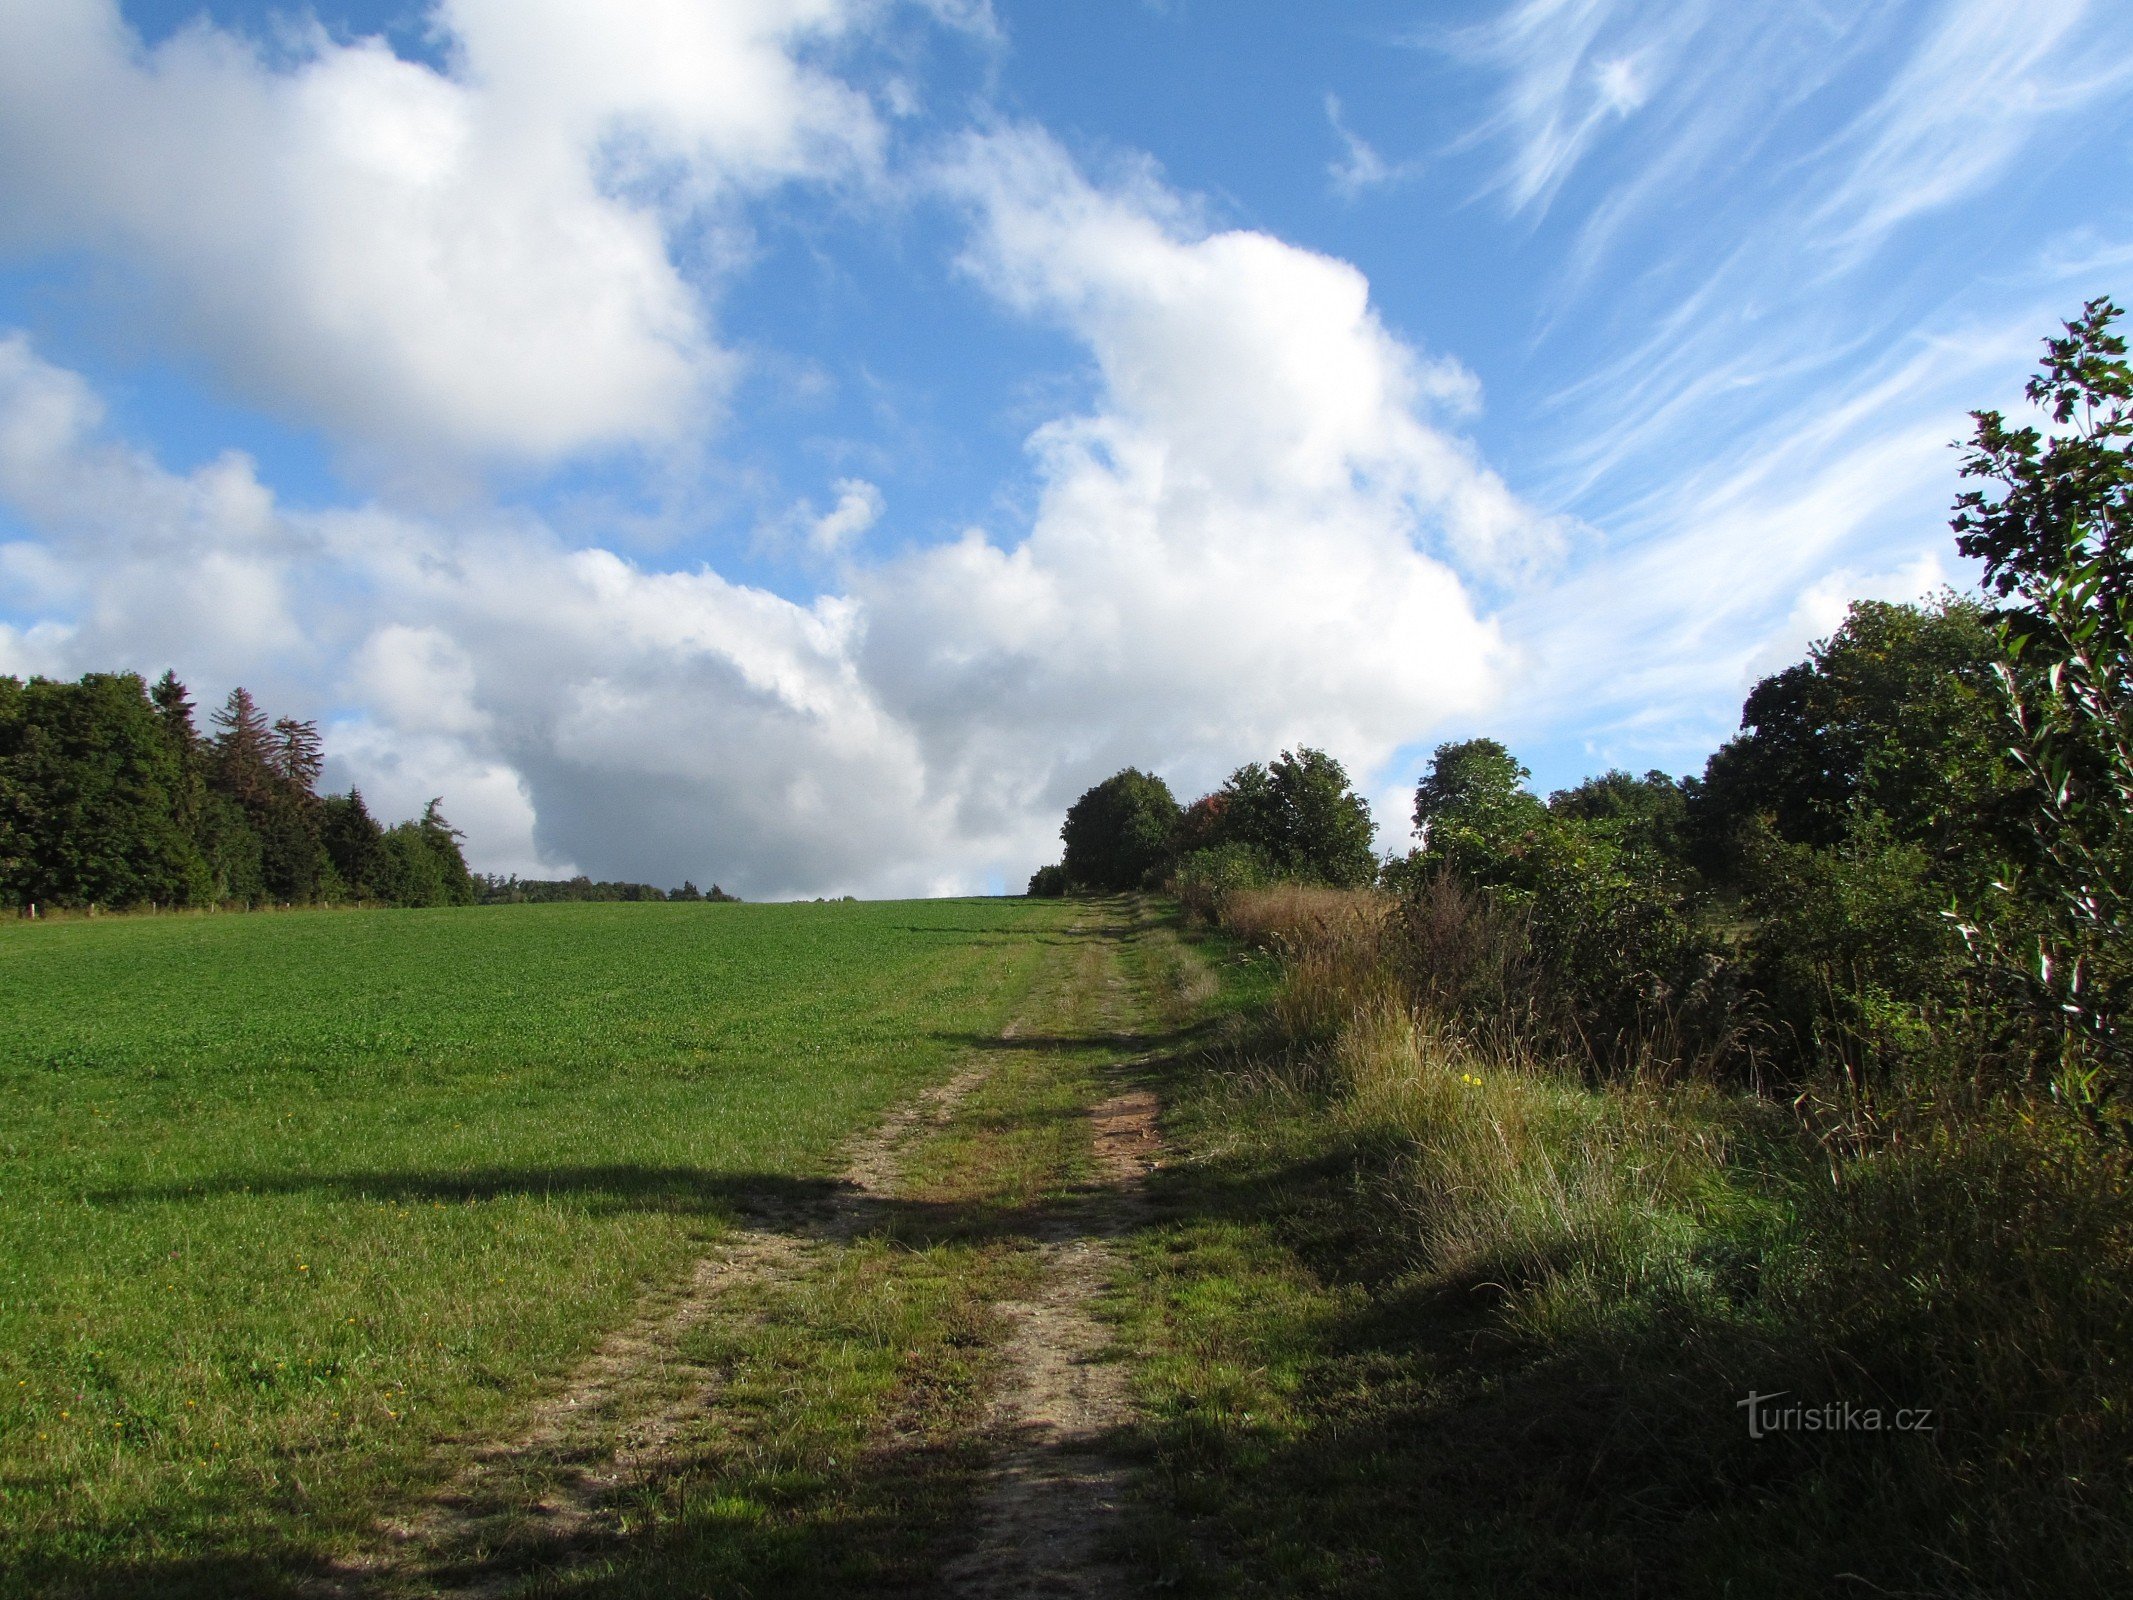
[
  {"x": 1469, "y": 781},
  {"x": 1047, "y": 883},
  {"x": 1118, "y": 833},
  {"x": 355, "y": 844},
  {"x": 2052, "y": 532},
  {"x": 1303, "y": 818},
  {"x": 89, "y": 786},
  {"x": 243, "y": 750},
  {"x": 441, "y": 839},
  {"x": 174, "y": 709},
  {"x": 296, "y": 755},
  {"x": 1476, "y": 816},
  {"x": 1896, "y": 717},
  {"x": 267, "y": 770}
]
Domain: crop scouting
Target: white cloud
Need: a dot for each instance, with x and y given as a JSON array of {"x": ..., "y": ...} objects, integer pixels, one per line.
[
  {"x": 1984, "y": 81},
  {"x": 859, "y": 506},
  {"x": 1722, "y": 574},
  {"x": 571, "y": 707},
  {"x": 472, "y": 262},
  {"x": 144, "y": 560},
  {"x": 1780, "y": 348},
  {"x": 1254, "y": 540},
  {"x": 1360, "y": 167},
  {"x": 1571, "y": 70}
]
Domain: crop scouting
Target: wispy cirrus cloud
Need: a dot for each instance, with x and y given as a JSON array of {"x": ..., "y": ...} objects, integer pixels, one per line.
[
  {"x": 1766, "y": 264},
  {"x": 1978, "y": 90},
  {"x": 1360, "y": 167},
  {"x": 1570, "y": 71}
]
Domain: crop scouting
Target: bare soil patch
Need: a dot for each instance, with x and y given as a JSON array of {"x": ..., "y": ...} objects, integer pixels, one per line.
[{"x": 1052, "y": 1497}]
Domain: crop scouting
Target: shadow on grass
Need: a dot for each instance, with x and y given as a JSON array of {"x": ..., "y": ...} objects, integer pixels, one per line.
[
  {"x": 883, "y": 1525},
  {"x": 720, "y": 1515},
  {"x": 1135, "y": 1044},
  {"x": 824, "y": 1209},
  {"x": 178, "y": 1577}
]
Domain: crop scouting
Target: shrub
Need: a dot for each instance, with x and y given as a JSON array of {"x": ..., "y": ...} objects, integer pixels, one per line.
[
  {"x": 1203, "y": 878},
  {"x": 1048, "y": 883}
]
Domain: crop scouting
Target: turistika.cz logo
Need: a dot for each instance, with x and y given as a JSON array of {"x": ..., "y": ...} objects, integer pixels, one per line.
[{"x": 1766, "y": 1416}]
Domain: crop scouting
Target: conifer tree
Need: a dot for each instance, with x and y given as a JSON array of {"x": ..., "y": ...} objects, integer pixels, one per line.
[
  {"x": 297, "y": 756},
  {"x": 243, "y": 750}
]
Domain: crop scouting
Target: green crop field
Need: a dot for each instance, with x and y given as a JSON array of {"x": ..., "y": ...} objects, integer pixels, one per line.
[{"x": 290, "y": 1199}]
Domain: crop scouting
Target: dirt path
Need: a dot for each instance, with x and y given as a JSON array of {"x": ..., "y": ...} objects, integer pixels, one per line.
[
  {"x": 1046, "y": 1504},
  {"x": 1052, "y": 1497},
  {"x": 1049, "y": 1511}
]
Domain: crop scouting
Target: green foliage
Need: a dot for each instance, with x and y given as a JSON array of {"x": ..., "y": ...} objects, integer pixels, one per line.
[
  {"x": 1895, "y": 717},
  {"x": 1468, "y": 782},
  {"x": 1476, "y": 817},
  {"x": 109, "y": 797},
  {"x": 1419, "y": 1317},
  {"x": 91, "y": 790},
  {"x": 2053, "y": 534},
  {"x": 1601, "y": 952},
  {"x": 1648, "y": 816},
  {"x": 1118, "y": 833},
  {"x": 1858, "y": 974},
  {"x": 1302, "y": 819},
  {"x": 426, "y": 868},
  {"x": 687, "y": 892},
  {"x": 1203, "y": 876},
  {"x": 491, "y": 889},
  {"x": 355, "y": 845},
  {"x": 1048, "y": 883}
]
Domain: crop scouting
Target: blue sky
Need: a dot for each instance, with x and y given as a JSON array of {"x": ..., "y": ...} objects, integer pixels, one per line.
[{"x": 802, "y": 443}]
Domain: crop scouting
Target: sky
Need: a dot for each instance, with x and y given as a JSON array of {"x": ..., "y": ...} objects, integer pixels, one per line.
[{"x": 801, "y": 444}]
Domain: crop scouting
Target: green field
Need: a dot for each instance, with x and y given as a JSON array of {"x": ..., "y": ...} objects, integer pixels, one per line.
[{"x": 291, "y": 1199}]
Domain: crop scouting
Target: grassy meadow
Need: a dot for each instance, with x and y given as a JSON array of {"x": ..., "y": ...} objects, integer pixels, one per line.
[{"x": 292, "y": 1201}]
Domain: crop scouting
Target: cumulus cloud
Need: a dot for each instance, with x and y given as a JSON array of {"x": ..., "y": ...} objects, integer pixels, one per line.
[
  {"x": 471, "y": 262},
  {"x": 574, "y": 708},
  {"x": 134, "y": 558},
  {"x": 1256, "y": 537}
]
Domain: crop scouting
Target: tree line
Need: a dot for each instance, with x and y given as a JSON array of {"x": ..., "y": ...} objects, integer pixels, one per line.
[
  {"x": 1912, "y": 866},
  {"x": 495, "y": 890},
  {"x": 112, "y": 797}
]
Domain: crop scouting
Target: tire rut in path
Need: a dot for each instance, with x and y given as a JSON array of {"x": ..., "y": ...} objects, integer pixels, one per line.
[
  {"x": 1049, "y": 1508},
  {"x": 778, "y": 1240}
]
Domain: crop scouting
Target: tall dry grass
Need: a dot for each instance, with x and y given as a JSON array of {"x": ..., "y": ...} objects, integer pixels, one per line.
[{"x": 1332, "y": 948}]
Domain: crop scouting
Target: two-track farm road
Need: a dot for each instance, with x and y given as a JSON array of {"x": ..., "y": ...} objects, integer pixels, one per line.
[{"x": 897, "y": 1382}]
